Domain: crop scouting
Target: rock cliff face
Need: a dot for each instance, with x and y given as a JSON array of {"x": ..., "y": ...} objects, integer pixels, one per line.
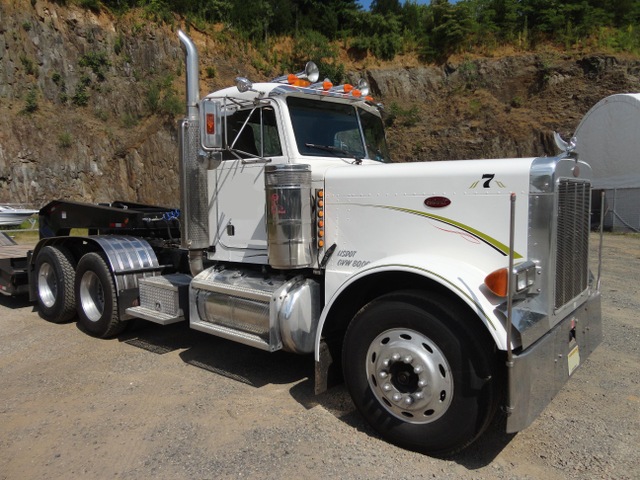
[
  {"x": 492, "y": 108},
  {"x": 74, "y": 122},
  {"x": 89, "y": 103}
]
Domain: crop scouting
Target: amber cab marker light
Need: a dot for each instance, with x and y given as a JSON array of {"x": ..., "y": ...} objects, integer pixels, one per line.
[{"x": 498, "y": 282}]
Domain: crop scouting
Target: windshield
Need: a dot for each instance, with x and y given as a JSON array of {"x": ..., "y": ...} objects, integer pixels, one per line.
[{"x": 330, "y": 129}]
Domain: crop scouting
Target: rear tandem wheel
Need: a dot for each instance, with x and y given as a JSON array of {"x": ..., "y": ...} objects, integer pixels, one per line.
[
  {"x": 96, "y": 295},
  {"x": 55, "y": 272}
]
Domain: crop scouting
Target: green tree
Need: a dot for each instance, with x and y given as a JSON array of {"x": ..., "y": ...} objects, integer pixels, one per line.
[
  {"x": 447, "y": 27},
  {"x": 386, "y": 7},
  {"x": 496, "y": 18},
  {"x": 252, "y": 18},
  {"x": 312, "y": 45}
]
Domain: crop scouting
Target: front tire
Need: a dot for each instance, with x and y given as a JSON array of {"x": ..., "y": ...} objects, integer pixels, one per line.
[
  {"x": 55, "y": 272},
  {"x": 96, "y": 296},
  {"x": 420, "y": 375}
]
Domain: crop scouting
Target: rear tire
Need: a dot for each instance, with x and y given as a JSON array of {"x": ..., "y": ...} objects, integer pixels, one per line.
[
  {"x": 96, "y": 296},
  {"x": 55, "y": 272},
  {"x": 419, "y": 373}
]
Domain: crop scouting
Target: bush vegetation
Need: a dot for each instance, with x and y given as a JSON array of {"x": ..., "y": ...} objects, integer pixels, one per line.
[{"x": 436, "y": 30}]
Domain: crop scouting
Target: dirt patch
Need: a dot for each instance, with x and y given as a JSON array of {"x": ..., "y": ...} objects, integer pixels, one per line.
[{"x": 169, "y": 402}]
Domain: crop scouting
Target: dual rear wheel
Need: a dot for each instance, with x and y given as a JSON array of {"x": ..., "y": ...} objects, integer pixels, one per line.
[{"x": 87, "y": 290}]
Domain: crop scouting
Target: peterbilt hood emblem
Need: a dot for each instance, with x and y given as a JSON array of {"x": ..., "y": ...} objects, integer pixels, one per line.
[{"x": 437, "y": 202}]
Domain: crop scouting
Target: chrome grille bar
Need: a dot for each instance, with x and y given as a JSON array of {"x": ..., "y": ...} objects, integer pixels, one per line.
[{"x": 572, "y": 240}]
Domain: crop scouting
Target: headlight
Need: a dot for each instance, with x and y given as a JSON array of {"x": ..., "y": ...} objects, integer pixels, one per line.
[{"x": 523, "y": 275}]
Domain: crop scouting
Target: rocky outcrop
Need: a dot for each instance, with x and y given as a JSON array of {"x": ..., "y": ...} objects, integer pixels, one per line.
[
  {"x": 89, "y": 103},
  {"x": 77, "y": 115},
  {"x": 494, "y": 108}
]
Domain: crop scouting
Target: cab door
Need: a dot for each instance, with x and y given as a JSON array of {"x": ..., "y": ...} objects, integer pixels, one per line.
[{"x": 238, "y": 215}]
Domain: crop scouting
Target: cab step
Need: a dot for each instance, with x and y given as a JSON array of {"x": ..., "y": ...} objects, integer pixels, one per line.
[{"x": 164, "y": 299}]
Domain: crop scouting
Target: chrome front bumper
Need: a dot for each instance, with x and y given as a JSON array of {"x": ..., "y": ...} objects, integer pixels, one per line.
[{"x": 539, "y": 372}]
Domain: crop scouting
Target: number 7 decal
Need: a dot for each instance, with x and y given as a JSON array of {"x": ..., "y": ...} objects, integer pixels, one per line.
[{"x": 489, "y": 177}]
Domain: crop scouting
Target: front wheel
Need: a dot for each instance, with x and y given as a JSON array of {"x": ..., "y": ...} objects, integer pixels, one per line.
[
  {"x": 419, "y": 374},
  {"x": 96, "y": 296}
]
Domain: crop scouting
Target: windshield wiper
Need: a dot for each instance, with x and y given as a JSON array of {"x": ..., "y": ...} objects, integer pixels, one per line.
[{"x": 338, "y": 152}]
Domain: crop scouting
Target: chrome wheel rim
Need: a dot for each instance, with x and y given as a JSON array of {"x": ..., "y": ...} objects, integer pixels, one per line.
[
  {"x": 47, "y": 285},
  {"x": 409, "y": 375},
  {"x": 91, "y": 296}
]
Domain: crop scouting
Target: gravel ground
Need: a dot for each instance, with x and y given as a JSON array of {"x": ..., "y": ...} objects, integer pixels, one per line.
[{"x": 171, "y": 403}]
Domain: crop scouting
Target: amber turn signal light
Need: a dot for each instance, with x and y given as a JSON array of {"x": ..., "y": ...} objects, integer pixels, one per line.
[{"x": 498, "y": 282}]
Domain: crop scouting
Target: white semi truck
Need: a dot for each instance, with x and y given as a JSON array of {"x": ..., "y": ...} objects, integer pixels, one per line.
[{"x": 440, "y": 292}]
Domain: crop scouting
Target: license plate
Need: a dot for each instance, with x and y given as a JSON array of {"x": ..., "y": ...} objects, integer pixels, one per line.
[{"x": 573, "y": 359}]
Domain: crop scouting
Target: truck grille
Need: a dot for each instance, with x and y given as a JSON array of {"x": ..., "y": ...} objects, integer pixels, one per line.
[{"x": 572, "y": 241}]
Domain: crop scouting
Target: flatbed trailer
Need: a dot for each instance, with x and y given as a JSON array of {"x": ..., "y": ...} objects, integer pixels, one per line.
[
  {"x": 13, "y": 266},
  {"x": 58, "y": 218}
]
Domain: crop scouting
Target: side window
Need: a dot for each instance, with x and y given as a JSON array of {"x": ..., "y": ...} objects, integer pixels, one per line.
[
  {"x": 270, "y": 137},
  {"x": 376, "y": 142},
  {"x": 256, "y": 137}
]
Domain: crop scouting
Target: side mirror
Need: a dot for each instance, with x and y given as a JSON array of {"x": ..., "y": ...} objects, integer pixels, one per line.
[{"x": 210, "y": 124}]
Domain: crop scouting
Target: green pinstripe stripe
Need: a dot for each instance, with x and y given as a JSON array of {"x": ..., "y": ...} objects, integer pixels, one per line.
[{"x": 497, "y": 245}]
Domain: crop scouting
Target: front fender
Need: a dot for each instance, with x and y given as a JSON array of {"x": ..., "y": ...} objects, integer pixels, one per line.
[{"x": 463, "y": 280}]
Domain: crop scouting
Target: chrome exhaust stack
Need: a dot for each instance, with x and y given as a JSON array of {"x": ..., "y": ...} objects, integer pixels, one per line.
[
  {"x": 192, "y": 75},
  {"x": 194, "y": 215}
]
